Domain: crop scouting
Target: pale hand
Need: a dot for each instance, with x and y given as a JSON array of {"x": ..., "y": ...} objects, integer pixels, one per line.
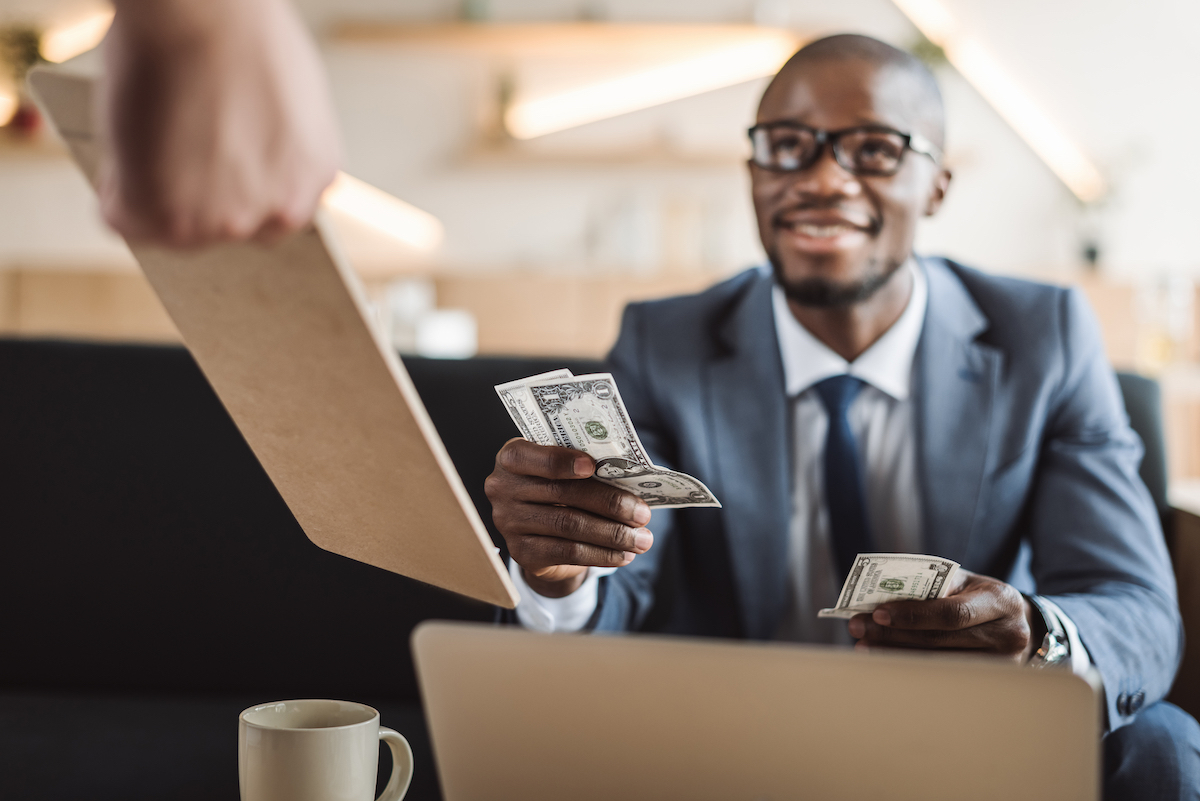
[{"x": 218, "y": 122}]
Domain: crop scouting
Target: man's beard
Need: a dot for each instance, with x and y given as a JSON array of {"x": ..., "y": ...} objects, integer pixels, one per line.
[{"x": 824, "y": 294}]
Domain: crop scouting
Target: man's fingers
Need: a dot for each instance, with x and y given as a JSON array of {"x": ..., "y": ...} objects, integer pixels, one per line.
[
  {"x": 544, "y": 461},
  {"x": 589, "y": 496},
  {"x": 536, "y": 553},
  {"x": 1000, "y": 636},
  {"x": 547, "y": 474},
  {"x": 573, "y": 524},
  {"x": 873, "y": 634},
  {"x": 954, "y": 612}
]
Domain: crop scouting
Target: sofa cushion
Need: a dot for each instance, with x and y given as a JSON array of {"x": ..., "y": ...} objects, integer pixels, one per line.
[{"x": 146, "y": 551}]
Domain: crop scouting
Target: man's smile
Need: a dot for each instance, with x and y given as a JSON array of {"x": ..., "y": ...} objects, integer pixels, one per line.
[{"x": 822, "y": 231}]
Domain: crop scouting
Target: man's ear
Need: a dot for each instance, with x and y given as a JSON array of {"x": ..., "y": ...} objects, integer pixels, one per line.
[{"x": 937, "y": 193}]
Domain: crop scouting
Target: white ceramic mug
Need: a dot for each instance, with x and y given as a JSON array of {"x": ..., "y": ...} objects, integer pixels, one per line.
[{"x": 316, "y": 750}]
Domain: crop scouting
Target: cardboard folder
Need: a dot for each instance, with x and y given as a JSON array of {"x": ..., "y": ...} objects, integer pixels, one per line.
[{"x": 282, "y": 334}]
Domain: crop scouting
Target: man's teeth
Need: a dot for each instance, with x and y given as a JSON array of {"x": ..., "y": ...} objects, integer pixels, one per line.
[{"x": 818, "y": 231}]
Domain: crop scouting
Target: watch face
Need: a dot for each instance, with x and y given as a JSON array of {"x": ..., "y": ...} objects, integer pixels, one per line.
[{"x": 1053, "y": 651}]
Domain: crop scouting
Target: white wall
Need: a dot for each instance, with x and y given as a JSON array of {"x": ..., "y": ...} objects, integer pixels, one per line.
[
  {"x": 605, "y": 195},
  {"x": 1119, "y": 76},
  {"x": 665, "y": 186}
]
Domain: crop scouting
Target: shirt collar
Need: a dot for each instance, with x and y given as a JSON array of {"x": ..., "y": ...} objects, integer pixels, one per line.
[{"x": 886, "y": 365}]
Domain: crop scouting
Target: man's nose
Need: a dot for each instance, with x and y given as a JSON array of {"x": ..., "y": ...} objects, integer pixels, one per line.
[{"x": 825, "y": 177}]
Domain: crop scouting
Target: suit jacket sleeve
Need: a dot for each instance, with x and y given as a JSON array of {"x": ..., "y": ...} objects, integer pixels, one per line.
[
  {"x": 1098, "y": 549},
  {"x": 626, "y": 596}
]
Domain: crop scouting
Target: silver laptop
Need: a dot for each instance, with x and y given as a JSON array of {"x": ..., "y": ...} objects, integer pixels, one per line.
[{"x": 520, "y": 716}]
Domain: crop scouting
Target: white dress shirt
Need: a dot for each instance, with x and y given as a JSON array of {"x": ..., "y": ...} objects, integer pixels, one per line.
[{"x": 882, "y": 421}]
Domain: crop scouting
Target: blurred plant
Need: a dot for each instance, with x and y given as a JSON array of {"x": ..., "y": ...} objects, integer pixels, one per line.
[
  {"x": 475, "y": 10},
  {"x": 19, "y": 50},
  {"x": 929, "y": 52},
  {"x": 18, "y": 54}
]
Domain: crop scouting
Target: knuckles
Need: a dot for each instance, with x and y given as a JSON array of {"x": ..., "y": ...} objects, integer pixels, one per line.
[
  {"x": 557, "y": 492},
  {"x": 563, "y": 552},
  {"x": 622, "y": 538},
  {"x": 495, "y": 486},
  {"x": 619, "y": 505},
  {"x": 519, "y": 550},
  {"x": 959, "y": 615},
  {"x": 567, "y": 523}
]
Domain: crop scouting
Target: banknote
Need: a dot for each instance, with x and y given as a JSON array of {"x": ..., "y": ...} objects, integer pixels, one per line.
[
  {"x": 586, "y": 413},
  {"x": 518, "y": 401},
  {"x": 877, "y": 578}
]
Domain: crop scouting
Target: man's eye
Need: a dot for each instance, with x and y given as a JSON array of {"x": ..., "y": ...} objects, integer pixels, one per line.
[
  {"x": 878, "y": 153},
  {"x": 879, "y": 148},
  {"x": 786, "y": 144}
]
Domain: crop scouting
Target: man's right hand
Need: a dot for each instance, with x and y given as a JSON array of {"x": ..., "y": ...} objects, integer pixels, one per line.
[{"x": 557, "y": 522}]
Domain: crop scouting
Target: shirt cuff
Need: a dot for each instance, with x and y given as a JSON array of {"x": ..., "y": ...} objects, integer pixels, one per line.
[
  {"x": 1081, "y": 660},
  {"x": 569, "y": 613}
]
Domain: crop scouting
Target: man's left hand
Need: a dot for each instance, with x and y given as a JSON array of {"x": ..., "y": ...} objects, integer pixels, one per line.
[{"x": 979, "y": 614}]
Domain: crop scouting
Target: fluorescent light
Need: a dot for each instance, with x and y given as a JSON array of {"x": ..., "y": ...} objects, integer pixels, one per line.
[
  {"x": 762, "y": 56},
  {"x": 931, "y": 18},
  {"x": 67, "y": 41},
  {"x": 385, "y": 213},
  {"x": 1053, "y": 146},
  {"x": 8, "y": 105},
  {"x": 1064, "y": 158}
]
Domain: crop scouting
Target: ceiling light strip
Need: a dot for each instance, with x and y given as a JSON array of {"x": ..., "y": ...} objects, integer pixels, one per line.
[
  {"x": 64, "y": 42},
  {"x": 727, "y": 66},
  {"x": 8, "y": 105},
  {"x": 384, "y": 213},
  {"x": 1064, "y": 158}
]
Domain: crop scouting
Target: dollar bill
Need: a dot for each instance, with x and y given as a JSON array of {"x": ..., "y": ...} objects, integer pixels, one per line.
[
  {"x": 877, "y": 578},
  {"x": 518, "y": 400},
  {"x": 586, "y": 413}
]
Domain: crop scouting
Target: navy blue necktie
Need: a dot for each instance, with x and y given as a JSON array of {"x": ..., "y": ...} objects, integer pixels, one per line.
[{"x": 844, "y": 497}]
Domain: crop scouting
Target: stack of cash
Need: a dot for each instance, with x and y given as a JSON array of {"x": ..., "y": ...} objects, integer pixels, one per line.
[
  {"x": 878, "y": 578},
  {"x": 586, "y": 413}
]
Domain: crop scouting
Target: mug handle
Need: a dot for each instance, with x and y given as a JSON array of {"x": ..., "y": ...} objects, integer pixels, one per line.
[{"x": 402, "y": 765}]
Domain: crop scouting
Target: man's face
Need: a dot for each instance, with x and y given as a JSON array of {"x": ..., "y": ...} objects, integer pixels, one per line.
[{"x": 833, "y": 237}]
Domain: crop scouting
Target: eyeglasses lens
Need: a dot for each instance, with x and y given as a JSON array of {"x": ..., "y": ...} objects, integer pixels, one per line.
[
  {"x": 862, "y": 152},
  {"x": 784, "y": 148},
  {"x": 870, "y": 152}
]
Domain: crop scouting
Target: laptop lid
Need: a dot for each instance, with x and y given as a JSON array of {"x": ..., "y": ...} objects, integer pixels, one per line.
[
  {"x": 520, "y": 716},
  {"x": 281, "y": 334}
]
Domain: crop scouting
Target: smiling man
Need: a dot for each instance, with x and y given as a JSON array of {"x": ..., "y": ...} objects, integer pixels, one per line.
[{"x": 855, "y": 397}]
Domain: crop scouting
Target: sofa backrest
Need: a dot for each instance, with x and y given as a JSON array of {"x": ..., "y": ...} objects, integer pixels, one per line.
[{"x": 144, "y": 548}]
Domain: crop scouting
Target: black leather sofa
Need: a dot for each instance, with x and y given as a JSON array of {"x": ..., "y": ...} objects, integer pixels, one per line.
[{"x": 153, "y": 583}]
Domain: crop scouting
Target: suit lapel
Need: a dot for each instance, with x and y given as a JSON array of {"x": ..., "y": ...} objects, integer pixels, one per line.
[
  {"x": 751, "y": 430},
  {"x": 956, "y": 383}
]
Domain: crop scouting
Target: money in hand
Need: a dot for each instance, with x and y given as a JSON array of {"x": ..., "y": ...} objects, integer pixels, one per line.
[
  {"x": 877, "y": 578},
  {"x": 586, "y": 413}
]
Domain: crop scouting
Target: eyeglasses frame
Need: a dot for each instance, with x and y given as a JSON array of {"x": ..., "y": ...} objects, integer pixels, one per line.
[{"x": 912, "y": 141}]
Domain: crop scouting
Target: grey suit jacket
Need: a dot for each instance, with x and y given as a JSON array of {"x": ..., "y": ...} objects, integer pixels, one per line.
[{"x": 1029, "y": 469}]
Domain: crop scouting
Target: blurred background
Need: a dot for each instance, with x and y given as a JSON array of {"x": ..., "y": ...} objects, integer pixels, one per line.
[{"x": 523, "y": 168}]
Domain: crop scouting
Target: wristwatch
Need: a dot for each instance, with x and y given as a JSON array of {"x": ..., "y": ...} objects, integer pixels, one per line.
[{"x": 1055, "y": 648}]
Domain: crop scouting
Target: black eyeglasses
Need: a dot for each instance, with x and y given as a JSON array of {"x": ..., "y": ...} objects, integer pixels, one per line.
[{"x": 866, "y": 150}]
